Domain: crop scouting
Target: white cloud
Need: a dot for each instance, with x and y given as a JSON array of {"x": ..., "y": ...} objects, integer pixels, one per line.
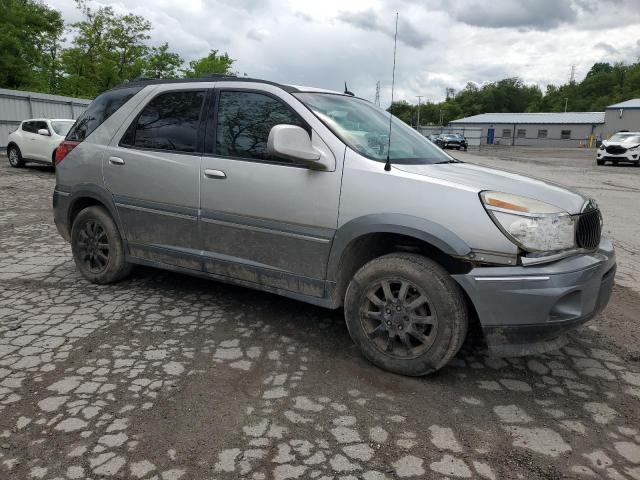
[{"x": 440, "y": 45}]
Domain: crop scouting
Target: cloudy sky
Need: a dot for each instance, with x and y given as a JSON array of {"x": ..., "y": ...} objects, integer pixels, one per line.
[{"x": 441, "y": 43}]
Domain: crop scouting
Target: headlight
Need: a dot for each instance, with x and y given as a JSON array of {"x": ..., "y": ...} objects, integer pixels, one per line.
[
  {"x": 602, "y": 146},
  {"x": 635, "y": 147},
  {"x": 532, "y": 225}
]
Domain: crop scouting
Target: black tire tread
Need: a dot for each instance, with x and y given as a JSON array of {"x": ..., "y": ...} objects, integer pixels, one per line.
[
  {"x": 457, "y": 327},
  {"x": 118, "y": 268}
]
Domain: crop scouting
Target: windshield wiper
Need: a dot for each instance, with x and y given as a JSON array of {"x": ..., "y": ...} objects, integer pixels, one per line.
[{"x": 453, "y": 160}]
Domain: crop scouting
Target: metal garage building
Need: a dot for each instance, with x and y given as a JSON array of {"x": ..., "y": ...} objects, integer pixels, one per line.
[
  {"x": 622, "y": 116},
  {"x": 16, "y": 106},
  {"x": 568, "y": 129}
]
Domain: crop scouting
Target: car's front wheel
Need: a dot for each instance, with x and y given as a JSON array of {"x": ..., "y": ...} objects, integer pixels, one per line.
[
  {"x": 97, "y": 246},
  {"x": 406, "y": 314},
  {"x": 15, "y": 157},
  {"x": 600, "y": 162}
]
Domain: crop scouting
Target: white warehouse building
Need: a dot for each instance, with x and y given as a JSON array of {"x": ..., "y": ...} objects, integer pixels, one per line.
[{"x": 567, "y": 129}]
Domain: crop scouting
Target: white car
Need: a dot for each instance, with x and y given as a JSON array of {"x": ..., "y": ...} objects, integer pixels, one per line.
[
  {"x": 36, "y": 140},
  {"x": 621, "y": 147}
]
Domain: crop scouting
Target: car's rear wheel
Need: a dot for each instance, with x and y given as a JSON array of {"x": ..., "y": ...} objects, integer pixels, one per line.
[
  {"x": 15, "y": 157},
  {"x": 97, "y": 246},
  {"x": 406, "y": 314}
]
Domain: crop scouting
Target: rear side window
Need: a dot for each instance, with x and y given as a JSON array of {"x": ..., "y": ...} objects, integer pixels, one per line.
[
  {"x": 244, "y": 122},
  {"x": 169, "y": 122},
  {"x": 40, "y": 126},
  {"x": 100, "y": 109},
  {"x": 29, "y": 127}
]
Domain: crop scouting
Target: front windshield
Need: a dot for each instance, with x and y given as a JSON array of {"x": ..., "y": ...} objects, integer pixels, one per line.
[
  {"x": 365, "y": 128},
  {"x": 625, "y": 137},
  {"x": 62, "y": 128}
]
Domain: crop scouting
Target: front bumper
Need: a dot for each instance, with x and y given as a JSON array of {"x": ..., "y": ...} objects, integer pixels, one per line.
[
  {"x": 628, "y": 156},
  {"x": 526, "y": 310}
]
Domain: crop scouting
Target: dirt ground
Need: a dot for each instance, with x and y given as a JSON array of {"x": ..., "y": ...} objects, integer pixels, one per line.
[{"x": 164, "y": 376}]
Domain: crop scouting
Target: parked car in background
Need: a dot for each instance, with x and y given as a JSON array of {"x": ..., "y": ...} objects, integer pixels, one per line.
[
  {"x": 621, "y": 147},
  {"x": 433, "y": 137},
  {"x": 297, "y": 191},
  {"x": 36, "y": 140},
  {"x": 452, "y": 140}
]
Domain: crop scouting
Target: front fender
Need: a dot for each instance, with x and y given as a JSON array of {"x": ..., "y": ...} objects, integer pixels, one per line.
[{"x": 416, "y": 227}]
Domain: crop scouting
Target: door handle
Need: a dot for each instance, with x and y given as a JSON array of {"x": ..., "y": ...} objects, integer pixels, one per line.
[
  {"x": 209, "y": 173},
  {"x": 116, "y": 161}
]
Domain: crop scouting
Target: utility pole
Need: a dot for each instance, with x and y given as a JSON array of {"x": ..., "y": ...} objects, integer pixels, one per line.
[
  {"x": 566, "y": 102},
  {"x": 441, "y": 117},
  {"x": 418, "y": 122}
]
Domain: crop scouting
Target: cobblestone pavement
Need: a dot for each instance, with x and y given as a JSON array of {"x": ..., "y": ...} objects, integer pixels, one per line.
[{"x": 165, "y": 377}]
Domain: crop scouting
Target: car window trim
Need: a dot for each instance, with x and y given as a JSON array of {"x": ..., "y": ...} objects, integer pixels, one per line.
[
  {"x": 211, "y": 123},
  {"x": 197, "y": 152}
]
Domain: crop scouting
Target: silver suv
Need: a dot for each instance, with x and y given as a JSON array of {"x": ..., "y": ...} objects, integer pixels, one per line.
[{"x": 303, "y": 193}]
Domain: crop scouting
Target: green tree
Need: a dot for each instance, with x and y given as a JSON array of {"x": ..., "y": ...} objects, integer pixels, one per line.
[
  {"x": 161, "y": 63},
  {"x": 107, "y": 49},
  {"x": 126, "y": 37},
  {"x": 29, "y": 41},
  {"x": 212, "y": 64}
]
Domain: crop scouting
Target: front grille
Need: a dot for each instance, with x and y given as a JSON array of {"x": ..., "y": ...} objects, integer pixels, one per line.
[
  {"x": 589, "y": 229},
  {"x": 615, "y": 149}
]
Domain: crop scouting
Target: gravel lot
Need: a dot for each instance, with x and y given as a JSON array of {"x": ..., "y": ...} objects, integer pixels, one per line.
[{"x": 165, "y": 376}]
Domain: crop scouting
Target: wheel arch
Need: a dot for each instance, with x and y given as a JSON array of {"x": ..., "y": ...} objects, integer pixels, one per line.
[
  {"x": 365, "y": 238},
  {"x": 87, "y": 197}
]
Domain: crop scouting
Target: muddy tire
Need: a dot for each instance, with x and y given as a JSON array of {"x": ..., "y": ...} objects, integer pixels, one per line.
[
  {"x": 406, "y": 314},
  {"x": 97, "y": 247}
]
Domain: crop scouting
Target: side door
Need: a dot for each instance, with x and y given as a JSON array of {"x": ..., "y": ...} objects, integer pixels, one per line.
[
  {"x": 152, "y": 169},
  {"x": 266, "y": 220},
  {"x": 28, "y": 135},
  {"x": 490, "y": 136},
  {"x": 42, "y": 145}
]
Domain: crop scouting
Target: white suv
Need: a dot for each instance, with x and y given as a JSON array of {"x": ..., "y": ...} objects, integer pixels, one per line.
[
  {"x": 36, "y": 140},
  {"x": 621, "y": 147}
]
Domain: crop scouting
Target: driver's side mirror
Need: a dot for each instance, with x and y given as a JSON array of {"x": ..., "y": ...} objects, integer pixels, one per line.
[
  {"x": 293, "y": 143},
  {"x": 44, "y": 131}
]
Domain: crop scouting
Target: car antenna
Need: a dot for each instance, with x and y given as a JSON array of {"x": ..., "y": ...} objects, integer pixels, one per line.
[
  {"x": 387, "y": 165},
  {"x": 346, "y": 90}
]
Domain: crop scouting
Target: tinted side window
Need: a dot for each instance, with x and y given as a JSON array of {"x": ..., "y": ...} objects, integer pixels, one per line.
[
  {"x": 28, "y": 127},
  {"x": 39, "y": 125},
  {"x": 168, "y": 122},
  {"x": 244, "y": 122},
  {"x": 100, "y": 109}
]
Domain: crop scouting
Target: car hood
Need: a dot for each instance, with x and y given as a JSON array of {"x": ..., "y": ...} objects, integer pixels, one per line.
[
  {"x": 484, "y": 178},
  {"x": 607, "y": 143}
]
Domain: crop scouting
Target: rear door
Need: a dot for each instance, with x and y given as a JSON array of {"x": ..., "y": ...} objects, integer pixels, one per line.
[
  {"x": 266, "y": 220},
  {"x": 152, "y": 168}
]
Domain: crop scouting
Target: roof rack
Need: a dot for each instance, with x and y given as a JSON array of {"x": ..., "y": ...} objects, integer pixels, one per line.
[{"x": 143, "y": 81}]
